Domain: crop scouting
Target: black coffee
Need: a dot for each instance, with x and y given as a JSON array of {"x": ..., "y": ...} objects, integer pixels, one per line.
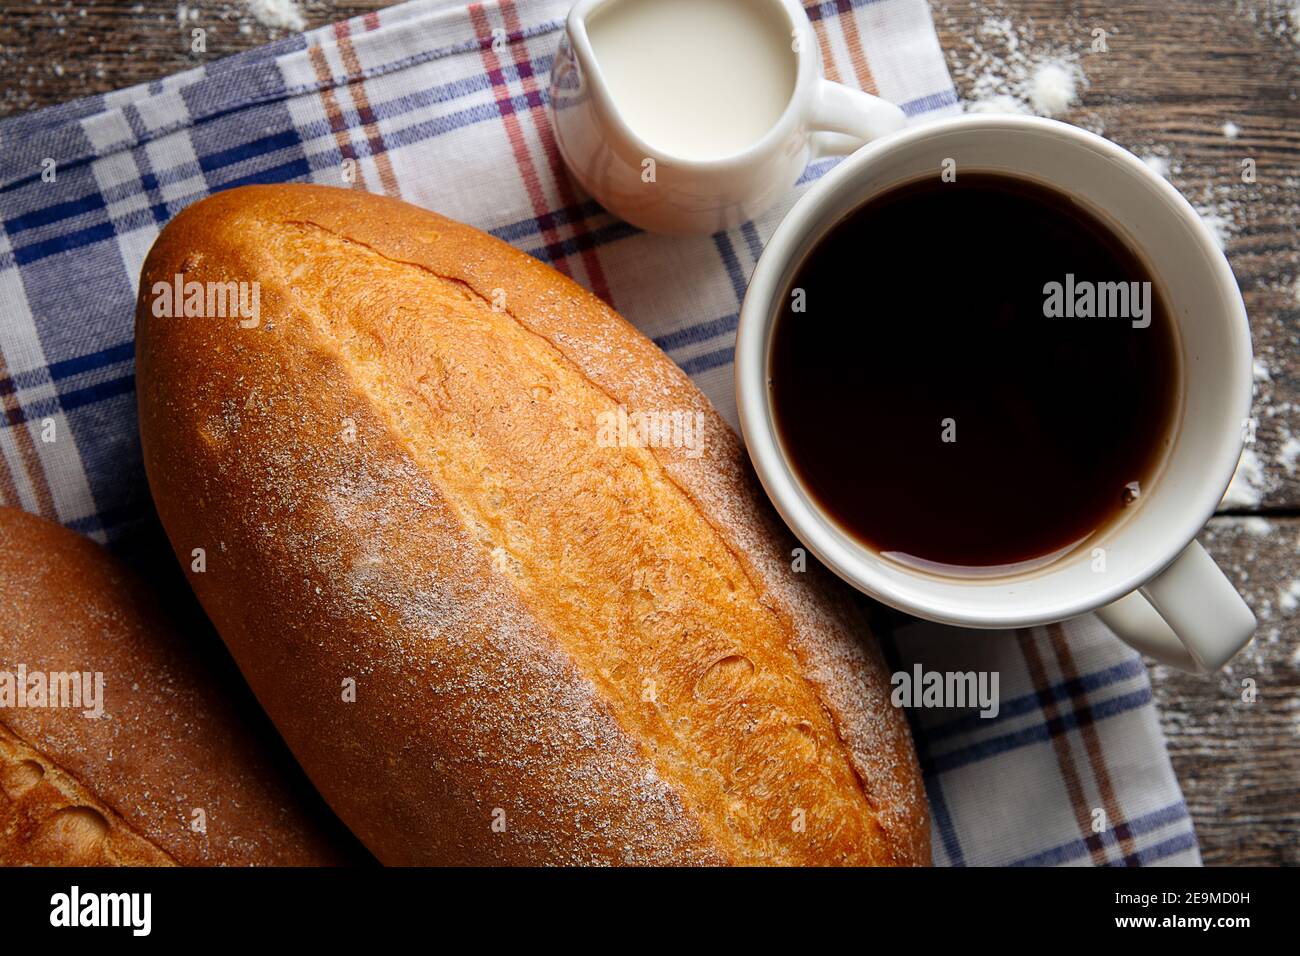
[{"x": 974, "y": 374}]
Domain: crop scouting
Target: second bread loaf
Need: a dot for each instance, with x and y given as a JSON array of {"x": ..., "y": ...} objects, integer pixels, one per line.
[{"x": 128, "y": 743}]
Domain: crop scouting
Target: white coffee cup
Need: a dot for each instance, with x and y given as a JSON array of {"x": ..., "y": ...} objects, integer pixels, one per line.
[
  {"x": 683, "y": 189},
  {"x": 1159, "y": 590}
]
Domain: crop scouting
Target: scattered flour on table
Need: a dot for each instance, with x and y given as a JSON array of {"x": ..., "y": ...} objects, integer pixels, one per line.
[
  {"x": 1219, "y": 224},
  {"x": 1265, "y": 467},
  {"x": 1004, "y": 74},
  {"x": 1276, "y": 18},
  {"x": 1247, "y": 487},
  {"x": 1288, "y": 453},
  {"x": 1158, "y": 165},
  {"x": 1002, "y": 103},
  {"x": 277, "y": 14},
  {"x": 1255, "y": 525},
  {"x": 1231, "y": 130},
  {"x": 1052, "y": 89},
  {"x": 1288, "y": 599},
  {"x": 1275, "y": 410}
]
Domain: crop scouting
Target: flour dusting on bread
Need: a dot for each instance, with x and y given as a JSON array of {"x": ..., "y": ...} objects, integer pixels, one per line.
[{"x": 562, "y": 651}]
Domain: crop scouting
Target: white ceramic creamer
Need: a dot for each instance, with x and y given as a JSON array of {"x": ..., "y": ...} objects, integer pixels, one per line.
[
  {"x": 697, "y": 79},
  {"x": 692, "y": 116}
]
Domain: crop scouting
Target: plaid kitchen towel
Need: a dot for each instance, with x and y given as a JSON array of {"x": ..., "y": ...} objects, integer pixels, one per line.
[{"x": 445, "y": 106}]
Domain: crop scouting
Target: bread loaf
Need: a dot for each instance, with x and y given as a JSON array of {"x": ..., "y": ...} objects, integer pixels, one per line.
[
  {"x": 412, "y": 480},
  {"x": 142, "y": 757}
]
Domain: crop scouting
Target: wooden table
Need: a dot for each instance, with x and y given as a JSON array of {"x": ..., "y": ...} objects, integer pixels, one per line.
[{"x": 1172, "y": 75}]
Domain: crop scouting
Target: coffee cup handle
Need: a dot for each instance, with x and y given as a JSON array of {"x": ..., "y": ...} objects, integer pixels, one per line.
[
  {"x": 1188, "y": 616},
  {"x": 843, "y": 119}
]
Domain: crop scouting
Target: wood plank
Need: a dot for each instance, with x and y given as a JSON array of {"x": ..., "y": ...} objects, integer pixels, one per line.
[
  {"x": 1239, "y": 762},
  {"x": 52, "y": 51}
]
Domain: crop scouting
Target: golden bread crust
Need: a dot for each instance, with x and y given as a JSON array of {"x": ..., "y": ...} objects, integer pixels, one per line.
[
  {"x": 47, "y": 818},
  {"x": 565, "y": 649},
  {"x": 124, "y": 788}
]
